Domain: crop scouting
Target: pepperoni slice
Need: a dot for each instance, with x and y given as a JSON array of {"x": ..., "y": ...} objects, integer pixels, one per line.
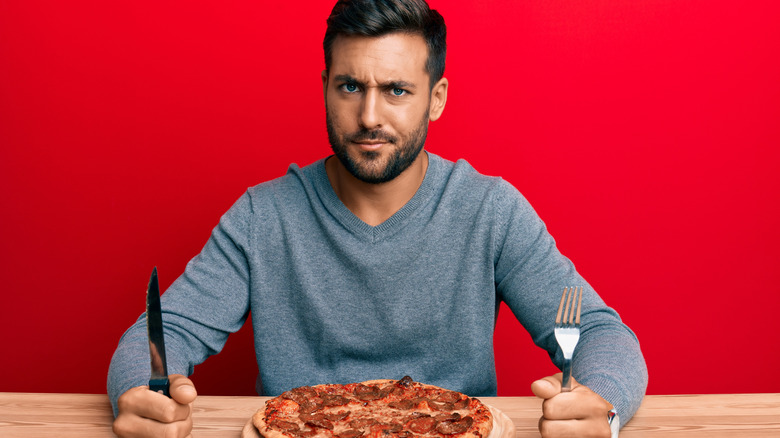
[
  {"x": 461, "y": 404},
  {"x": 447, "y": 397},
  {"x": 368, "y": 393},
  {"x": 338, "y": 416},
  {"x": 317, "y": 420},
  {"x": 403, "y": 405},
  {"x": 300, "y": 395},
  {"x": 362, "y": 423},
  {"x": 309, "y": 407},
  {"x": 454, "y": 427},
  {"x": 304, "y": 433},
  {"x": 310, "y": 417},
  {"x": 448, "y": 417},
  {"x": 405, "y": 382},
  {"x": 350, "y": 433},
  {"x": 422, "y": 425},
  {"x": 386, "y": 428},
  {"x": 334, "y": 400},
  {"x": 444, "y": 406},
  {"x": 284, "y": 425}
]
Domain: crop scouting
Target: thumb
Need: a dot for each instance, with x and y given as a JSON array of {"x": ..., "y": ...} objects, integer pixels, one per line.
[
  {"x": 547, "y": 387},
  {"x": 182, "y": 389}
]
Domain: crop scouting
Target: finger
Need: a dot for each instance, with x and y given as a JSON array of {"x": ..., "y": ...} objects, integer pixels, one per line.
[
  {"x": 567, "y": 406},
  {"x": 574, "y": 429},
  {"x": 596, "y": 404},
  {"x": 182, "y": 389},
  {"x": 144, "y": 403},
  {"x": 547, "y": 387},
  {"x": 556, "y": 428},
  {"x": 561, "y": 429},
  {"x": 581, "y": 403},
  {"x": 131, "y": 426}
]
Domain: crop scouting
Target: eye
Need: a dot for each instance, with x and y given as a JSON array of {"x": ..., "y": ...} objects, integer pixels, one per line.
[
  {"x": 349, "y": 88},
  {"x": 398, "y": 91}
]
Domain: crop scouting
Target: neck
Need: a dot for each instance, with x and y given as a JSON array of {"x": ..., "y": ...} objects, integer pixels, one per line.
[{"x": 375, "y": 203}]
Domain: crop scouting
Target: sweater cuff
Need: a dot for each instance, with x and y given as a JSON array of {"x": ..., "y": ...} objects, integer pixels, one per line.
[{"x": 610, "y": 390}]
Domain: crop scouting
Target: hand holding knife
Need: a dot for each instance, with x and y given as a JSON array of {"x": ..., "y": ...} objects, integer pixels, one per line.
[
  {"x": 159, "y": 377},
  {"x": 142, "y": 413}
]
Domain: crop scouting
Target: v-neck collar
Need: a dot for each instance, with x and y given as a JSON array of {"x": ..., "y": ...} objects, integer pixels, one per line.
[{"x": 356, "y": 225}]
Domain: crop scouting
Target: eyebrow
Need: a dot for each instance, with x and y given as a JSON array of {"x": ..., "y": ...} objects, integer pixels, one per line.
[{"x": 389, "y": 84}]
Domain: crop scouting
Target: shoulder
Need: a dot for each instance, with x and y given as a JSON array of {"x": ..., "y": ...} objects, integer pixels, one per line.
[
  {"x": 468, "y": 193},
  {"x": 463, "y": 182},
  {"x": 294, "y": 185},
  {"x": 296, "y": 179}
]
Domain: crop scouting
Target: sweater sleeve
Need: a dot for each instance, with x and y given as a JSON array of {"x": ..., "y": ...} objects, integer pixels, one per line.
[
  {"x": 200, "y": 309},
  {"x": 530, "y": 276}
]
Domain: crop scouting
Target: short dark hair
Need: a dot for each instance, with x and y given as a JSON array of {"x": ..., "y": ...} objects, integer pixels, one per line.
[{"x": 374, "y": 18}]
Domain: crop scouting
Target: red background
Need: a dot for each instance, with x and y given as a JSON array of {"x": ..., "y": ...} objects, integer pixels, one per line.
[{"x": 645, "y": 133}]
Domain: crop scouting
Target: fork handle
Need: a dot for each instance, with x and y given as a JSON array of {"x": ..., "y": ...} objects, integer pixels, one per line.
[{"x": 566, "y": 381}]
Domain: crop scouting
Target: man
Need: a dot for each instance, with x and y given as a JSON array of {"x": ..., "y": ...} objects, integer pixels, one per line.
[{"x": 382, "y": 260}]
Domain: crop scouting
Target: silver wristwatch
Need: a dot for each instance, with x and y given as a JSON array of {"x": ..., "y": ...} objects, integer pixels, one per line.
[{"x": 614, "y": 422}]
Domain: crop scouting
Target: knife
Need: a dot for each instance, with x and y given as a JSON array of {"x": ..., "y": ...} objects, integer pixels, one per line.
[{"x": 158, "y": 382}]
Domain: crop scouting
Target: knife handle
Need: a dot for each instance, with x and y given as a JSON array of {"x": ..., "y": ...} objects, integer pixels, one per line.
[{"x": 160, "y": 385}]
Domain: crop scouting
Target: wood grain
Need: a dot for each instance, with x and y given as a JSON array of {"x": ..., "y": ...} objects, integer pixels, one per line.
[
  {"x": 712, "y": 416},
  {"x": 24, "y": 415}
]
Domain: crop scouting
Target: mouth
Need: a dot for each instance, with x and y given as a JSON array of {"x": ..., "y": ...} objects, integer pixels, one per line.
[{"x": 370, "y": 145}]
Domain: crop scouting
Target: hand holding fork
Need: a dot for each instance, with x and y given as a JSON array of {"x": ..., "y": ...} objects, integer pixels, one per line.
[{"x": 561, "y": 403}]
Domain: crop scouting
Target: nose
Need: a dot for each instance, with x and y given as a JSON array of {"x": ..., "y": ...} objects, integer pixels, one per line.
[{"x": 370, "y": 110}]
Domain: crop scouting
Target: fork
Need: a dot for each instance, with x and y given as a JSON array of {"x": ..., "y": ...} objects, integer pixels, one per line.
[{"x": 567, "y": 330}]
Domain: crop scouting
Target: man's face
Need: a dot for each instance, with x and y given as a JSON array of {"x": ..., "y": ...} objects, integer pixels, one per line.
[{"x": 377, "y": 101}]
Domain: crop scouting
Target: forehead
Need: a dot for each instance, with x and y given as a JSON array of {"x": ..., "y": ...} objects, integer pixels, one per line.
[{"x": 396, "y": 56}]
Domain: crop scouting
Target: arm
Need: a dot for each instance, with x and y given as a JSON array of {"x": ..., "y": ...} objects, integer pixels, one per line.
[
  {"x": 200, "y": 309},
  {"x": 531, "y": 274}
]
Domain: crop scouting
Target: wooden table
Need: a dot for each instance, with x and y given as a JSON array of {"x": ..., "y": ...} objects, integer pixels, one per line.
[{"x": 711, "y": 416}]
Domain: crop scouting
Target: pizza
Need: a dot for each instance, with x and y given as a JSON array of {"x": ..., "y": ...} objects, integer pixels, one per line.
[{"x": 373, "y": 409}]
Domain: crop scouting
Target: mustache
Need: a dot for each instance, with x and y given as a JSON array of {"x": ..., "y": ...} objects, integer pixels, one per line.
[{"x": 373, "y": 135}]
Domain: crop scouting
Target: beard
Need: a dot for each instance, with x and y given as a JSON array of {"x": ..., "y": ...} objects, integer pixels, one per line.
[{"x": 368, "y": 166}]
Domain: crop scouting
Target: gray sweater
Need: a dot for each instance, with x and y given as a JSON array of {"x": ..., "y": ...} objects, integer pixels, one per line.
[{"x": 334, "y": 300}]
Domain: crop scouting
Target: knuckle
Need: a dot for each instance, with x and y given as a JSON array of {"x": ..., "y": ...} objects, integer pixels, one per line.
[
  {"x": 544, "y": 428},
  {"x": 177, "y": 429},
  {"x": 168, "y": 413},
  {"x": 123, "y": 401},
  {"x": 170, "y": 430},
  {"x": 127, "y": 399},
  {"x": 119, "y": 427},
  {"x": 550, "y": 411}
]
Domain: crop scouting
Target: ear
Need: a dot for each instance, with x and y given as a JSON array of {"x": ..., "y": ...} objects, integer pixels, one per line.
[
  {"x": 438, "y": 99},
  {"x": 325, "y": 84}
]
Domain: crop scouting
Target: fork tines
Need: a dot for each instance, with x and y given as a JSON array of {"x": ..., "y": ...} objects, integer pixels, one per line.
[
  {"x": 567, "y": 330},
  {"x": 567, "y": 307}
]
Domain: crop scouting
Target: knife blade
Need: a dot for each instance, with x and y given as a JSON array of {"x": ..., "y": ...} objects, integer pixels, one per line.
[{"x": 158, "y": 382}]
